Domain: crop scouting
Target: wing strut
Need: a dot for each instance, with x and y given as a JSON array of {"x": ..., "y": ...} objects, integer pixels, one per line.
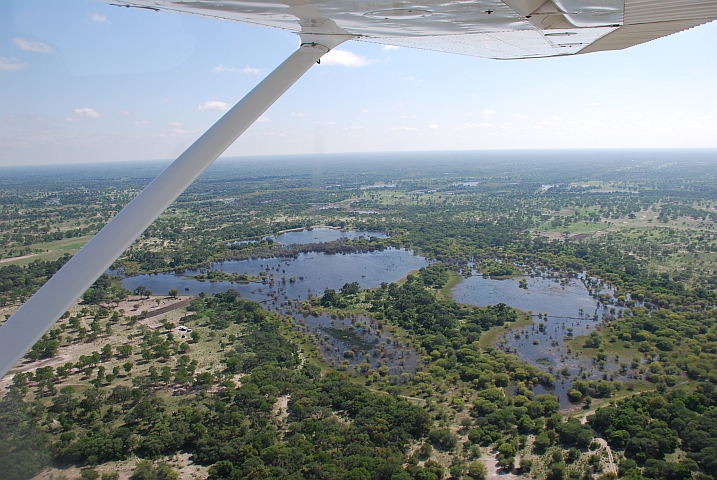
[{"x": 44, "y": 308}]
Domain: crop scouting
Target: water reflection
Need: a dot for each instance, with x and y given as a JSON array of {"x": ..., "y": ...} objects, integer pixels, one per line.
[
  {"x": 312, "y": 273},
  {"x": 359, "y": 343},
  {"x": 562, "y": 308},
  {"x": 315, "y": 235}
]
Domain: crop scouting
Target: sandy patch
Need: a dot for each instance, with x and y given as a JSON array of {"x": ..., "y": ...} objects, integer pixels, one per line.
[
  {"x": 494, "y": 471},
  {"x": 12, "y": 259},
  {"x": 180, "y": 462},
  {"x": 281, "y": 408}
]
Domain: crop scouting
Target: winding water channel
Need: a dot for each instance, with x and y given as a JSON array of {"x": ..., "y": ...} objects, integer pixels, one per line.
[{"x": 562, "y": 307}]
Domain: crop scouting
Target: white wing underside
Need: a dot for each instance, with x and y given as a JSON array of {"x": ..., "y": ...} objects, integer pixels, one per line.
[{"x": 507, "y": 29}]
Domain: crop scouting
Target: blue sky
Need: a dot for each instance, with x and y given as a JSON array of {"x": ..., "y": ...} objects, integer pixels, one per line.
[{"x": 85, "y": 81}]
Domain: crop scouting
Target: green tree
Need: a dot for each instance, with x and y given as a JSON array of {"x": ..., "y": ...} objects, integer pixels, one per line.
[{"x": 477, "y": 470}]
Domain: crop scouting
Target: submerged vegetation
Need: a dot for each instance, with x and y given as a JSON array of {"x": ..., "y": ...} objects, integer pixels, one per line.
[{"x": 400, "y": 381}]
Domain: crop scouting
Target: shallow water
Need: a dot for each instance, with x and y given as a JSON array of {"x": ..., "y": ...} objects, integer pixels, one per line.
[
  {"x": 316, "y": 235},
  {"x": 314, "y": 272},
  {"x": 355, "y": 339},
  {"x": 562, "y": 299},
  {"x": 319, "y": 271}
]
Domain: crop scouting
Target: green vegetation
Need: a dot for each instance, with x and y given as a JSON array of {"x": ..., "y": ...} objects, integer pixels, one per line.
[{"x": 246, "y": 393}]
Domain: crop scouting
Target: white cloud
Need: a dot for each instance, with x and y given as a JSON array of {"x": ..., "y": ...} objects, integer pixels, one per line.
[
  {"x": 126, "y": 113},
  {"x": 486, "y": 125},
  {"x": 405, "y": 129},
  {"x": 433, "y": 126},
  {"x": 87, "y": 112},
  {"x": 174, "y": 124},
  {"x": 488, "y": 112},
  {"x": 141, "y": 122},
  {"x": 593, "y": 123},
  {"x": 247, "y": 69},
  {"x": 300, "y": 114},
  {"x": 390, "y": 47},
  {"x": 263, "y": 119},
  {"x": 520, "y": 115},
  {"x": 12, "y": 64},
  {"x": 344, "y": 58},
  {"x": 637, "y": 115},
  {"x": 30, "y": 46},
  {"x": 98, "y": 18},
  {"x": 214, "y": 105},
  {"x": 364, "y": 110},
  {"x": 556, "y": 118}
]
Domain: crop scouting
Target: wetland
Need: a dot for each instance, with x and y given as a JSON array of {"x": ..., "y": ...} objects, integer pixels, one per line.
[{"x": 346, "y": 303}]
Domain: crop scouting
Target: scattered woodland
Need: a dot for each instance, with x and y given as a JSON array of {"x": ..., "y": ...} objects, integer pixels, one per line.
[{"x": 162, "y": 385}]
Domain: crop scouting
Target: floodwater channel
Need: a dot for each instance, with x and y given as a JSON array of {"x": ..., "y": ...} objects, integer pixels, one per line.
[
  {"x": 357, "y": 342},
  {"x": 561, "y": 308},
  {"x": 345, "y": 342},
  {"x": 316, "y": 235}
]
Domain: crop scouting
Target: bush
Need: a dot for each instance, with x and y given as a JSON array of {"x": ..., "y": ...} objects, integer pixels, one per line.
[
  {"x": 477, "y": 470},
  {"x": 89, "y": 474},
  {"x": 442, "y": 439}
]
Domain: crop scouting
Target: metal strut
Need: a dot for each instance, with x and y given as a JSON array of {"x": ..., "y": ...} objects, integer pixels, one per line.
[{"x": 44, "y": 308}]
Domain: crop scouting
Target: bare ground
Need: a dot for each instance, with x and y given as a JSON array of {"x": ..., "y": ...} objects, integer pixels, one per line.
[{"x": 180, "y": 462}]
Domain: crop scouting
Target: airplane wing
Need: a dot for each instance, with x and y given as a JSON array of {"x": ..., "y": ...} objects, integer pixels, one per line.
[{"x": 507, "y": 29}]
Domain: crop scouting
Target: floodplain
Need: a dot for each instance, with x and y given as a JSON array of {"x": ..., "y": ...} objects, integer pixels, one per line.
[{"x": 544, "y": 315}]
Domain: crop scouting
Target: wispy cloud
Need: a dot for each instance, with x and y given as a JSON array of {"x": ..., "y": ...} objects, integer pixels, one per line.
[
  {"x": 247, "y": 69},
  {"x": 174, "y": 124},
  {"x": 98, "y": 18},
  {"x": 488, "y": 112},
  {"x": 125, "y": 113},
  {"x": 263, "y": 119},
  {"x": 87, "y": 112},
  {"x": 31, "y": 46},
  {"x": 12, "y": 64},
  {"x": 405, "y": 129},
  {"x": 344, "y": 58},
  {"x": 300, "y": 114},
  {"x": 485, "y": 125},
  {"x": 214, "y": 105},
  {"x": 520, "y": 115},
  {"x": 141, "y": 122},
  {"x": 433, "y": 126},
  {"x": 391, "y": 47}
]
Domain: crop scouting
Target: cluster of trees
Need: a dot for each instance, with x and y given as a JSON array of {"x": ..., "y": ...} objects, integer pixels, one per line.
[
  {"x": 674, "y": 342},
  {"x": 334, "y": 428},
  {"x": 19, "y": 282},
  {"x": 105, "y": 289},
  {"x": 222, "y": 309},
  {"x": 650, "y": 426},
  {"x": 449, "y": 333}
]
